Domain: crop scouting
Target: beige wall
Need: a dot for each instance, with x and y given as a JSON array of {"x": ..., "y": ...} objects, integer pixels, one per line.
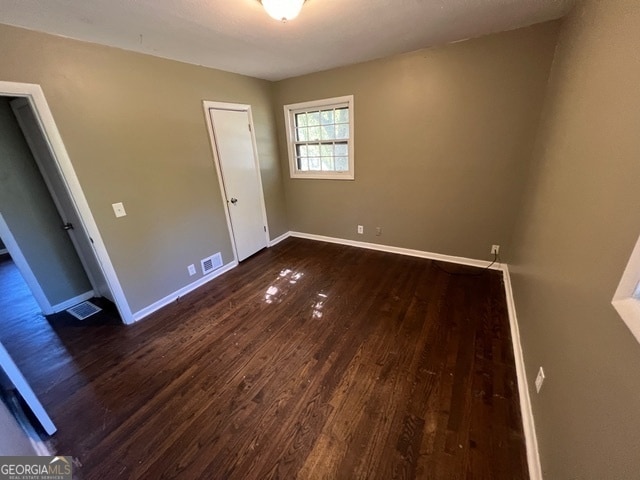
[
  {"x": 576, "y": 232},
  {"x": 135, "y": 131},
  {"x": 442, "y": 140},
  {"x": 30, "y": 214}
]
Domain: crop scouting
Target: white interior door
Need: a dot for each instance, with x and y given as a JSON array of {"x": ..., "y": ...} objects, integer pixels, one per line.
[
  {"x": 70, "y": 218},
  {"x": 240, "y": 174}
]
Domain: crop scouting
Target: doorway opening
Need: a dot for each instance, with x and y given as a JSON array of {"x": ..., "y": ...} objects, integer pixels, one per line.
[
  {"x": 65, "y": 262},
  {"x": 52, "y": 254},
  {"x": 38, "y": 223}
]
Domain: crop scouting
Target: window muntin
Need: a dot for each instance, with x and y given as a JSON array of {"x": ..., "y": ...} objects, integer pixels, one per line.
[{"x": 320, "y": 138}]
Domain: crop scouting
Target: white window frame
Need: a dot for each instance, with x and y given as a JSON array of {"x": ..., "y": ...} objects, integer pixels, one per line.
[
  {"x": 626, "y": 300},
  {"x": 289, "y": 116}
]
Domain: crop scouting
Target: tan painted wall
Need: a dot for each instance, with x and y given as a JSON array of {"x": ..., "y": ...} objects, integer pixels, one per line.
[
  {"x": 577, "y": 230},
  {"x": 135, "y": 131},
  {"x": 32, "y": 218},
  {"x": 442, "y": 140}
]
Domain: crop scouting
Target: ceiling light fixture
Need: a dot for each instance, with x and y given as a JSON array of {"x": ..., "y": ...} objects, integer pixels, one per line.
[{"x": 283, "y": 10}]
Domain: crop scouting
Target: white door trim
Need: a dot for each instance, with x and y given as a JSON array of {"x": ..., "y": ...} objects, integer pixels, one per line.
[
  {"x": 238, "y": 107},
  {"x": 23, "y": 266},
  {"x": 34, "y": 94},
  {"x": 16, "y": 106}
]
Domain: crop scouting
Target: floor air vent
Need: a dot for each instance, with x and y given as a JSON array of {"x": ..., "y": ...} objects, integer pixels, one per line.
[
  {"x": 211, "y": 263},
  {"x": 83, "y": 310}
]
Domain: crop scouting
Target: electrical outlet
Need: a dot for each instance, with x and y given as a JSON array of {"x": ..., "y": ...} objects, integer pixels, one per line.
[
  {"x": 360, "y": 229},
  {"x": 495, "y": 249},
  {"x": 192, "y": 269},
  {"x": 378, "y": 231},
  {"x": 539, "y": 380},
  {"x": 118, "y": 209}
]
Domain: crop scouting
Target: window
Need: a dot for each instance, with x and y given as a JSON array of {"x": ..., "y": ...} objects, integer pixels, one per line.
[
  {"x": 626, "y": 300},
  {"x": 320, "y": 138}
]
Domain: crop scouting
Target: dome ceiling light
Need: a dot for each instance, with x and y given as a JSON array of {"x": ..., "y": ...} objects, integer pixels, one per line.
[{"x": 283, "y": 10}]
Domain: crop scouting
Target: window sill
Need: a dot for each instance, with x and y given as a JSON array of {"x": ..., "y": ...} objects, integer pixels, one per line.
[{"x": 327, "y": 176}]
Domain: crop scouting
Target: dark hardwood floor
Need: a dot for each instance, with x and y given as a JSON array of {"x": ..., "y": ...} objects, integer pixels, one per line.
[{"x": 309, "y": 360}]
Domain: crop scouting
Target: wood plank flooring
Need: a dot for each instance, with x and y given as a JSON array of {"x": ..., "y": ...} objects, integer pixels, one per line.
[{"x": 309, "y": 360}]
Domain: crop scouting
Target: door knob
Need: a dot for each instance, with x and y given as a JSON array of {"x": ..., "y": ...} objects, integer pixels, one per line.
[{"x": 234, "y": 200}]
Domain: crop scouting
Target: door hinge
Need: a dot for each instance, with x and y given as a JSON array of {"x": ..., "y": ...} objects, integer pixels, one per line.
[
  {"x": 265, "y": 228},
  {"x": 249, "y": 127}
]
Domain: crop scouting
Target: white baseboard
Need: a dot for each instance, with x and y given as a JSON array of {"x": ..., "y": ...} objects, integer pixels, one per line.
[
  {"x": 145, "y": 312},
  {"x": 277, "y": 240},
  {"x": 73, "y": 301},
  {"x": 533, "y": 457},
  {"x": 528, "y": 424},
  {"x": 399, "y": 250}
]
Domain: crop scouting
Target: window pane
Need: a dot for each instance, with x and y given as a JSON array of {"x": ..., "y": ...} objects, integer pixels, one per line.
[
  {"x": 342, "y": 115},
  {"x": 314, "y": 150},
  {"x": 327, "y": 117},
  {"x": 328, "y": 132},
  {"x": 342, "y": 149},
  {"x": 302, "y": 151},
  {"x": 319, "y": 138},
  {"x": 314, "y": 133},
  {"x": 303, "y": 164},
  {"x": 314, "y": 163},
  {"x": 342, "y": 130},
  {"x": 313, "y": 118},
  {"x": 326, "y": 150},
  {"x": 342, "y": 164},
  {"x": 301, "y": 119},
  {"x": 327, "y": 164},
  {"x": 302, "y": 134}
]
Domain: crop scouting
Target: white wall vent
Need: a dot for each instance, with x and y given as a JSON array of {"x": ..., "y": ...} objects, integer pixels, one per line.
[
  {"x": 83, "y": 310},
  {"x": 211, "y": 263}
]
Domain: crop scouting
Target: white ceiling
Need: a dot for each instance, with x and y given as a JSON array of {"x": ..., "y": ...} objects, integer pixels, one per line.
[{"x": 238, "y": 35}]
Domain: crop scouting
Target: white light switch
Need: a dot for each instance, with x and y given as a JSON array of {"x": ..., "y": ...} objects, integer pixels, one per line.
[{"x": 118, "y": 209}]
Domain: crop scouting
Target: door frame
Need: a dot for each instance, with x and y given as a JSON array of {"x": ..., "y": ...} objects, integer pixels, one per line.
[
  {"x": 35, "y": 96},
  {"x": 237, "y": 107},
  {"x": 56, "y": 193}
]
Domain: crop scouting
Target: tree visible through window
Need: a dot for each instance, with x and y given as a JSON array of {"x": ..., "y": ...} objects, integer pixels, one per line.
[{"x": 320, "y": 137}]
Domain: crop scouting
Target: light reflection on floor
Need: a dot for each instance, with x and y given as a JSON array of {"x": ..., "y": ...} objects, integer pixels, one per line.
[{"x": 286, "y": 279}]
